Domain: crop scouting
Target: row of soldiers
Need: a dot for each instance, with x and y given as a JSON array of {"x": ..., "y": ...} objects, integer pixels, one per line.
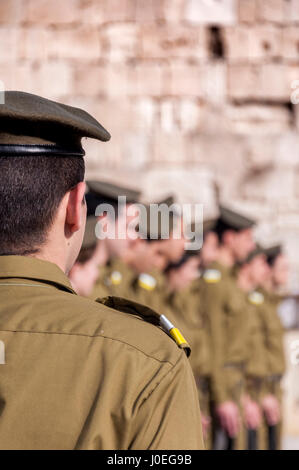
[{"x": 223, "y": 298}]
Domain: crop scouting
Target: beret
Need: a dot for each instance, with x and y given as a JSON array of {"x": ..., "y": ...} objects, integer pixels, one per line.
[
  {"x": 32, "y": 125},
  {"x": 258, "y": 251},
  {"x": 160, "y": 228},
  {"x": 231, "y": 220},
  {"x": 107, "y": 190},
  {"x": 272, "y": 252}
]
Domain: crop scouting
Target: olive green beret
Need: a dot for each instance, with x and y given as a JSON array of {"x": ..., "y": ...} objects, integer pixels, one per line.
[
  {"x": 160, "y": 228},
  {"x": 259, "y": 250},
  {"x": 231, "y": 220},
  {"x": 272, "y": 252},
  {"x": 106, "y": 190},
  {"x": 32, "y": 125}
]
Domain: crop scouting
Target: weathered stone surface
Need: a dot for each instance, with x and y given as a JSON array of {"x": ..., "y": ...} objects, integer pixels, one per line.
[
  {"x": 247, "y": 11},
  {"x": 55, "y": 11},
  {"x": 80, "y": 43},
  {"x": 211, "y": 12},
  {"x": 253, "y": 43},
  {"x": 12, "y": 11},
  {"x": 272, "y": 10},
  {"x": 120, "y": 42},
  {"x": 173, "y": 41},
  {"x": 185, "y": 80}
]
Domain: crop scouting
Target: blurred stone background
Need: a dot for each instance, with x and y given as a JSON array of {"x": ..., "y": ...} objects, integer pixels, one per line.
[{"x": 199, "y": 96}]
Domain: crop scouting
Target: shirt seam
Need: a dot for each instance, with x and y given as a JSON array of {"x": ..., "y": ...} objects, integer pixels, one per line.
[{"x": 89, "y": 336}]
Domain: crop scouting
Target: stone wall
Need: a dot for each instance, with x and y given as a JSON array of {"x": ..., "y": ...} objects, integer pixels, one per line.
[{"x": 197, "y": 94}]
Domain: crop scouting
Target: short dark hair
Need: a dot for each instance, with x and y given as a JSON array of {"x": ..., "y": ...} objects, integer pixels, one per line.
[{"x": 31, "y": 189}]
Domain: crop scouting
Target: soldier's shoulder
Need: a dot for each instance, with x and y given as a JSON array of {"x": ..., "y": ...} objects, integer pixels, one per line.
[
  {"x": 80, "y": 316},
  {"x": 212, "y": 276}
]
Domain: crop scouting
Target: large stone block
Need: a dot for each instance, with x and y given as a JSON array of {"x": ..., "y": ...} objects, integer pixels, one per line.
[
  {"x": 53, "y": 12},
  {"x": 272, "y": 10},
  {"x": 290, "y": 45},
  {"x": 247, "y": 11},
  {"x": 34, "y": 44},
  {"x": 173, "y": 10},
  {"x": 121, "y": 42},
  {"x": 147, "y": 79},
  {"x": 136, "y": 150},
  {"x": 169, "y": 148},
  {"x": 213, "y": 80},
  {"x": 223, "y": 12},
  {"x": 145, "y": 111},
  {"x": 169, "y": 41},
  {"x": 79, "y": 43},
  {"x": 257, "y": 119},
  {"x": 11, "y": 11},
  {"x": 91, "y": 82},
  {"x": 253, "y": 43},
  {"x": 189, "y": 115},
  {"x": 10, "y": 43},
  {"x": 185, "y": 79},
  {"x": 148, "y": 11},
  {"x": 53, "y": 80},
  {"x": 293, "y": 11},
  {"x": 92, "y": 11},
  {"x": 265, "y": 43},
  {"x": 117, "y": 82},
  {"x": 258, "y": 82},
  {"x": 118, "y": 10},
  {"x": 243, "y": 81}
]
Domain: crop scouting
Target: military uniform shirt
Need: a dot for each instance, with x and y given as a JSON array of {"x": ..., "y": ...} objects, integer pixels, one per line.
[{"x": 80, "y": 375}]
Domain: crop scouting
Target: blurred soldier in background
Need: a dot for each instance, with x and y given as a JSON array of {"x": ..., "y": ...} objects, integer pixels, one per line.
[
  {"x": 115, "y": 274},
  {"x": 165, "y": 239},
  {"x": 85, "y": 272},
  {"x": 184, "y": 303},
  {"x": 223, "y": 303},
  {"x": 251, "y": 274},
  {"x": 273, "y": 329}
]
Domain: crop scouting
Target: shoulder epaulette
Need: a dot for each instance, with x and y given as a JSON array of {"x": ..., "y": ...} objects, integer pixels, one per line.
[
  {"x": 146, "y": 281},
  {"x": 212, "y": 276},
  {"x": 116, "y": 278},
  {"x": 150, "y": 316},
  {"x": 256, "y": 298}
]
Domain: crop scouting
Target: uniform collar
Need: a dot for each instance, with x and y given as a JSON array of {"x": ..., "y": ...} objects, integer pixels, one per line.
[{"x": 25, "y": 267}]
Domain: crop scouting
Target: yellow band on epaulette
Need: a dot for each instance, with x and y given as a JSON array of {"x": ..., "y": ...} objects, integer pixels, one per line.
[
  {"x": 177, "y": 336},
  {"x": 145, "y": 286}
]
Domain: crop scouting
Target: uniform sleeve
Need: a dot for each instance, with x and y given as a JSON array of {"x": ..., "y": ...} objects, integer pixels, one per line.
[{"x": 169, "y": 418}]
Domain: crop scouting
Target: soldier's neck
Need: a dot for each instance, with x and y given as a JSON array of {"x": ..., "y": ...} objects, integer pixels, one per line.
[{"x": 226, "y": 257}]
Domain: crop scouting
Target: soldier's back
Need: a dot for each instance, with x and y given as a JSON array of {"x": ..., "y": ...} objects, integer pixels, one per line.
[{"x": 80, "y": 375}]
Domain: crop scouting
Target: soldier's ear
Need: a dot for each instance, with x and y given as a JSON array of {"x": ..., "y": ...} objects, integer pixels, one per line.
[{"x": 76, "y": 209}]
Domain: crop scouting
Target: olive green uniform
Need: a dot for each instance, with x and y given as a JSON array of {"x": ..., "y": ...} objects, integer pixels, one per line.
[
  {"x": 257, "y": 366},
  {"x": 273, "y": 331},
  {"x": 151, "y": 289},
  {"x": 80, "y": 375},
  {"x": 114, "y": 279},
  {"x": 224, "y": 306},
  {"x": 185, "y": 310},
  {"x": 223, "y": 303}
]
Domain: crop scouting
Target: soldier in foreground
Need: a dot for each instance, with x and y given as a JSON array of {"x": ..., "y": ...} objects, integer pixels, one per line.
[{"x": 78, "y": 374}]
